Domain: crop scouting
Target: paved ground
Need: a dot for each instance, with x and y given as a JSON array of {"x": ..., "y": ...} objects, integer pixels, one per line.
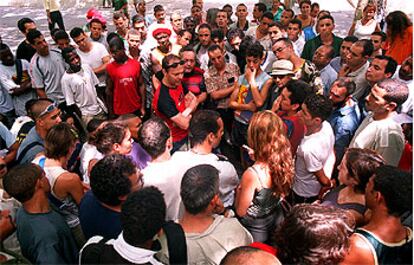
[{"x": 75, "y": 16}]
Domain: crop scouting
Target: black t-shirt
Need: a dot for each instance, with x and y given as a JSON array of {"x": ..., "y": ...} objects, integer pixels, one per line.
[{"x": 25, "y": 51}]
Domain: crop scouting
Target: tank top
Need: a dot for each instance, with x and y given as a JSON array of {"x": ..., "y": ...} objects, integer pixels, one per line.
[
  {"x": 389, "y": 253},
  {"x": 264, "y": 201},
  {"x": 331, "y": 199},
  {"x": 66, "y": 206}
]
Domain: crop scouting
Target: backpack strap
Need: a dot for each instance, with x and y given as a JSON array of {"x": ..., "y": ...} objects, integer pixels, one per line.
[
  {"x": 26, "y": 149},
  {"x": 19, "y": 71},
  {"x": 92, "y": 253},
  {"x": 177, "y": 246}
]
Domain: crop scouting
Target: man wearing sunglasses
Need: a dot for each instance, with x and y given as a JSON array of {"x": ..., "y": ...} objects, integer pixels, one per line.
[
  {"x": 173, "y": 103},
  {"x": 46, "y": 114}
]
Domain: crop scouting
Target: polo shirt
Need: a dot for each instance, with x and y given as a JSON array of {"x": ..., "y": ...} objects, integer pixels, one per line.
[
  {"x": 313, "y": 44},
  {"x": 167, "y": 103}
]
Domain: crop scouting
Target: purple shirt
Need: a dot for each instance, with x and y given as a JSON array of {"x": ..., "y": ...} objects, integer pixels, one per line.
[{"x": 139, "y": 156}]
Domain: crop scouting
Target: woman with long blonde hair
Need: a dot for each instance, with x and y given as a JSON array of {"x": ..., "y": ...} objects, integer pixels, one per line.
[{"x": 268, "y": 181}]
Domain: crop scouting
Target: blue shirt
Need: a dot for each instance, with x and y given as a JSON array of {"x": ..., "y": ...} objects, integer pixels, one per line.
[
  {"x": 344, "y": 122},
  {"x": 245, "y": 95},
  {"x": 328, "y": 76},
  {"x": 98, "y": 220}
]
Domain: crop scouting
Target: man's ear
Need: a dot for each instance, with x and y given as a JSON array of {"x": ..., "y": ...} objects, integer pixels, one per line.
[
  {"x": 169, "y": 144},
  {"x": 391, "y": 106}
]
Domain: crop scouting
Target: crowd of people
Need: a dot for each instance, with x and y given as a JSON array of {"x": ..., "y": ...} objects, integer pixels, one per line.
[{"x": 208, "y": 139}]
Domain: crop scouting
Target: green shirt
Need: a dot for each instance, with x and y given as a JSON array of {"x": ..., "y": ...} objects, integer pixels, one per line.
[{"x": 313, "y": 44}]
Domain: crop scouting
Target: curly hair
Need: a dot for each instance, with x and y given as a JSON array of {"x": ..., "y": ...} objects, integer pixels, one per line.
[
  {"x": 361, "y": 164},
  {"x": 314, "y": 234},
  {"x": 266, "y": 135},
  {"x": 110, "y": 178},
  {"x": 142, "y": 215}
]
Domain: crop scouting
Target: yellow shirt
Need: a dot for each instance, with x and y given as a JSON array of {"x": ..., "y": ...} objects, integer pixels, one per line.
[{"x": 51, "y": 5}]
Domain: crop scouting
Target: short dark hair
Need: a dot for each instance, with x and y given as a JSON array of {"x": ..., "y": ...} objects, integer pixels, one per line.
[
  {"x": 116, "y": 42},
  {"x": 299, "y": 90},
  {"x": 241, "y": 255},
  {"x": 137, "y": 18},
  {"x": 158, "y": 8},
  {"x": 66, "y": 51},
  {"x": 76, "y": 32},
  {"x": 235, "y": 32},
  {"x": 347, "y": 83},
  {"x": 118, "y": 14},
  {"x": 396, "y": 186},
  {"x": 327, "y": 17},
  {"x": 255, "y": 50},
  {"x": 204, "y": 26},
  {"x": 290, "y": 10},
  {"x": 110, "y": 134},
  {"x": 142, "y": 215},
  {"x": 391, "y": 66},
  {"x": 381, "y": 34},
  {"x": 217, "y": 34},
  {"x": 182, "y": 31},
  {"x": 153, "y": 136},
  {"x": 313, "y": 5},
  {"x": 305, "y": 2},
  {"x": 109, "y": 178},
  {"x": 297, "y": 22},
  {"x": 314, "y": 234},
  {"x": 202, "y": 123},
  {"x": 261, "y": 7},
  {"x": 32, "y": 35},
  {"x": 268, "y": 15},
  {"x": 396, "y": 91},
  {"x": 20, "y": 181},
  {"x": 368, "y": 47},
  {"x": 167, "y": 59},
  {"x": 97, "y": 20},
  {"x": 361, "y": 164},
  {"x": 213, "y": 48},
  {"x": 350, "y": 38},
  {"x": 59, "y": 141},
  {"x": 318, "y": 106},
  {"x": 199, "y": 185},
  {"x": 188, "y": 48},
  {"x": 21, "y": 24},
  {"x": 60, "y": 35},
  {"x": 286, "y": 41}
]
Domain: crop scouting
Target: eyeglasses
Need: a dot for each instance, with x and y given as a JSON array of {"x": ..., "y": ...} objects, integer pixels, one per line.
[
  {"x": 48, "y": 109},
  {"x": 174, "y": 65}
]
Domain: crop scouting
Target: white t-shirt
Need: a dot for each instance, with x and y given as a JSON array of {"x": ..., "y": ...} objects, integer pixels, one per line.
[
  {"x": 88, "y": 153},
  {"x": 46, "y": 72},
  {"x": 94, "y": 57},
  {"x": 79, "y": 89},
  {"x": 228, "y": 175},
  {"x": 6, "y": 81},
  {"x": 315, "y": 151},
  {"x": 383, "y": 136},
  {"x": 166, "y": 177}
]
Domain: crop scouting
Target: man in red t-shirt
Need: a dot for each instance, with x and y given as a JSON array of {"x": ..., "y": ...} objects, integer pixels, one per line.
[
  {"x": 287, "y": 106},
  {"x": 172, "y": 103},
  {"x": 124, "y": 84}
]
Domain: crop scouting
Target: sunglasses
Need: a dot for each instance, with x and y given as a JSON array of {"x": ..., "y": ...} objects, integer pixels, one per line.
[
  {"x": 48, "y": 109},
  {"x": 174, "y": 65},
  {"x": 2, "y": 166}
]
